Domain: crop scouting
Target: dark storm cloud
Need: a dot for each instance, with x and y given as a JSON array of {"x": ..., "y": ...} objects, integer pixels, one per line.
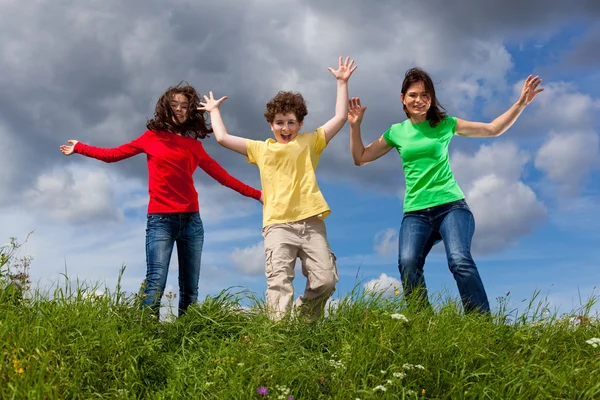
[
  {"x": 93, "y": 71},
  {"x": 585, "y": 51}
]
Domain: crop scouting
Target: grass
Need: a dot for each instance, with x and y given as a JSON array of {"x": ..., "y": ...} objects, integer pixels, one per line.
[{"x": 70, "y": 344}]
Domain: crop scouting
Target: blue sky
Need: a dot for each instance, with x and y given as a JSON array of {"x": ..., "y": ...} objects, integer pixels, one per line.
[{"x": 93, "y": 73}]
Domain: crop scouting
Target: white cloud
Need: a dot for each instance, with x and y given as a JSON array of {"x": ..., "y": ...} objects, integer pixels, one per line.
[
  {"x": 218, "y": 202},
  {"x": 560, "y": 106},
  {"x": 386, "y": 242},
  {"x": 567, "y": 158},
  {"x": 249, "y": 260},
  {"x": 384, "y": 284},
  {"x": 503, "y": 159},
  {"x": 75, "y": 194},
  {"x": 504, "y": 207},
  {"x": 504, "y": 211}
]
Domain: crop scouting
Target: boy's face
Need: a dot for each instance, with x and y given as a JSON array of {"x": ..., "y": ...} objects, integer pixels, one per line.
[{"x": 285, "y": 127}]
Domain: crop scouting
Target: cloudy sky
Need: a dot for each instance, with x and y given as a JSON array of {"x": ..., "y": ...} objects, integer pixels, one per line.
[{"x": 93, "y": 70}]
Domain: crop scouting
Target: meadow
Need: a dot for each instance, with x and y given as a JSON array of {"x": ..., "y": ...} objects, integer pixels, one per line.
[{"x": 77, "y": 342}]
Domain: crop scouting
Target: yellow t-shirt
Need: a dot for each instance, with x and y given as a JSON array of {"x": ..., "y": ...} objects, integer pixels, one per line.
[{"x": 287, "y": 174}]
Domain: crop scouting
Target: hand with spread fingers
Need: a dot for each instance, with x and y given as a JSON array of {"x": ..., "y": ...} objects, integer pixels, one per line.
[
  {"x": 355, "y": 111},
  {"x": 210, "y": 103},
  {"x": 530, "y": 90},
  {"x": 345, "y": 69}
]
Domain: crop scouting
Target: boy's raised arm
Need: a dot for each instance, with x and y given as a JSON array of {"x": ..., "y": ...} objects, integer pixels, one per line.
[
  {"x": 235, "y": 143},
  {"x": 342, "y": 74}
]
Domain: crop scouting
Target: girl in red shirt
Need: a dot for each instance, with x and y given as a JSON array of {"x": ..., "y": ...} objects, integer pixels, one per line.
[{"x": 173, "y": 153}]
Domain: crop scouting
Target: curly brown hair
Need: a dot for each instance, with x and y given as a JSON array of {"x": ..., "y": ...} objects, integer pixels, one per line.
[
  {"x": 195, "y": 125},
  {"x": 435, "y": 113},
  {"x": 285, "y": 103}
]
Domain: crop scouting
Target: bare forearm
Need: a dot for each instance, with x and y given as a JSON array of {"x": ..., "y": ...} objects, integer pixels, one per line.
[
  {"x": 333, "y": 126},
  {"x": 218, "y": 126},
  {"x": 341, "y": 101},
  {"x": 357, "y": 147},
  {"x": 506, "y": 120}
]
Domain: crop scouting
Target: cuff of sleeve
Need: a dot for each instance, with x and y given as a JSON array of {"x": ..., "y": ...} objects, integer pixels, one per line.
[{"x": 256, "y": 194}]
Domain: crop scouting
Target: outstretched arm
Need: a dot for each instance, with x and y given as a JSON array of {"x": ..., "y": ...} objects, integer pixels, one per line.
[
  {"x": 498, "y": 126},
  {"x": 218, "y": 173},
  {"x": 360, "y": 154},
  {"x": 226, "y": 140},
  {"x": 107, "y": 155},
  {"x": 342, "y": 74}
]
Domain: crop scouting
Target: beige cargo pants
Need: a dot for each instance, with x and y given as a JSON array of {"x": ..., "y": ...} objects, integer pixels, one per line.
[{"x": 284, "y": 243}]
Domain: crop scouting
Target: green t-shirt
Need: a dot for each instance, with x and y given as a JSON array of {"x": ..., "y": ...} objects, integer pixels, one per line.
[{"x": 424, "y": 153}]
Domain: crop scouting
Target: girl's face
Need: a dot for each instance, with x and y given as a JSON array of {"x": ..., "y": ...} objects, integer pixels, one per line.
[
  {"x": 285, "y": 127},
  {"x": 180, "y": 107},
  {"x": 416, "y": 100}
]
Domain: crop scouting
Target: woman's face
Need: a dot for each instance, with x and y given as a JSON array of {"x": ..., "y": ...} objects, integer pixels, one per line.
[
  {"x": 416, "y": 100},
  {"x": 180, "y": 107}
]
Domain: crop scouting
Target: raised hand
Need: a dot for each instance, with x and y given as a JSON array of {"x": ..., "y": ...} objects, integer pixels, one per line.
[
  {"x": 355, "y": 111},
  {"x": 68, "y": 150},
  {"x": 345, "y": 69},
  {"x": 530, "y": 90},
  {"x": 210, "y": 103}
]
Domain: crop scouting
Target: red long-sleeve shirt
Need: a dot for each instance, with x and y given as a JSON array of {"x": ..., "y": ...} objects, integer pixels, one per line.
[{"x": 172, "y": 160}]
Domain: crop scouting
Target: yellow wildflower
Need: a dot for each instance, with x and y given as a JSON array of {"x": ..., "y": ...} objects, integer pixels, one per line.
[{"x": 18, "y": 369}]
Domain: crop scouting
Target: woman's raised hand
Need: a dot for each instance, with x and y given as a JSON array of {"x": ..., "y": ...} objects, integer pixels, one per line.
[
  {"x": 530, "y": 90},
  {"x": 355, "y": 111}
]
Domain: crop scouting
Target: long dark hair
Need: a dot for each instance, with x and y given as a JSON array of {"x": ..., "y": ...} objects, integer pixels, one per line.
[
  {"x": 195, "y": 125},
  {"x": 435, "y": 113}
]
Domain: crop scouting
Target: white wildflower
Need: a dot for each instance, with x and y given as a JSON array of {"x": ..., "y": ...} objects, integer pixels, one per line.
[
  {"x": 284, "y": 390},
  {"x": 399, "y": 375},
  {"x": 595, "y": 342},
  {"x": 382, "y": 371},
  {"x": 411, "y": 392},
  {"x": 389, "y": 382},
  {"x": 401, "y": 317},
  {"x": 380, "y": 388},
  {"x": 410, "y": 367}
]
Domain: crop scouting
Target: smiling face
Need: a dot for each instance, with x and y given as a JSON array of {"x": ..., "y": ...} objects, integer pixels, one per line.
[
  {"x": 180, "y": 105},
  {"x": 416, "y": 101},
  {"x": 285, "y": 127}
]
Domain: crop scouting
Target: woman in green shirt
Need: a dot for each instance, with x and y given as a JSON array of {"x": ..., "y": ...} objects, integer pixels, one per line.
[{"x": 434, "y": 205}]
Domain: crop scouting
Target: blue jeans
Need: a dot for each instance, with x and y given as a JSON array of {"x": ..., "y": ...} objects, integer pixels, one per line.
[
  {"x": 162, "y": 231},
  {"x": 454, "y": 224}
]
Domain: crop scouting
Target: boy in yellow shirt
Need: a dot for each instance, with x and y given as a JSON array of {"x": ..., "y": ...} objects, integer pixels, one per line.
[{"x": 293, "y": 206}]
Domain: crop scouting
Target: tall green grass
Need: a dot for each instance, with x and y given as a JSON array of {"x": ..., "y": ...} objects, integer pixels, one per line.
[{"x": 72, "y": 344}]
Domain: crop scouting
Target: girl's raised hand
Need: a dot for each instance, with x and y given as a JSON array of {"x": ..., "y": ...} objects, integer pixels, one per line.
[
  {"x": 355, "y": 111},
  {"x": 68, "y": 150},
  {"x": 345, "y": 69},
  {"x": 210, "y": 103},
  {"x": 530, "y": 90}
]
